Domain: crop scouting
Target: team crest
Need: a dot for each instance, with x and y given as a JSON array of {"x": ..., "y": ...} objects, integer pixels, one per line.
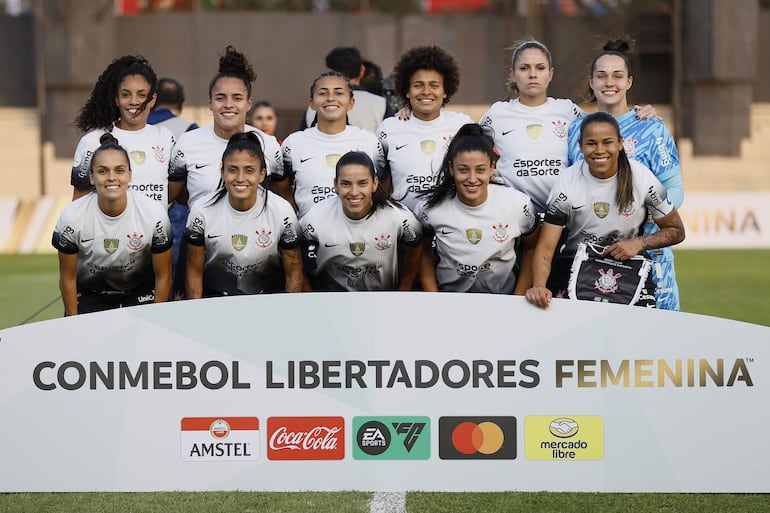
[
  {"x": 534, "y": 131},
  {"x": 601, "y": 209},
  {"x": 428, "y": 146},
  {"x": 560, "y": 129},
  {"x": 331, "y": 160},
  {"x": 239, "y": 241},
  {"x": 629, "y": 146},
  {"x": 382, "y": 242},
  {"x": 111, "y": 245},
  {"x": 160, "y": 154},
  {"x": 264, "y": 239},
  {"x": 607, "y": 282},
  {"x": 628, "y": 211},
  {"x": 138, "y": 156},
  {"x": 500, "y": 233},
  {"x": 135, "y": 242},
  {"x": 357, "y": 248},
  {"x": 473, "y": 235}
]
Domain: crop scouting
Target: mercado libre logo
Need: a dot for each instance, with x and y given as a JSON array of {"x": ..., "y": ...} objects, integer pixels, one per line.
[
  {"x": 219, "y": 439},
  {"x": 391, "y": 438},
  {"x": 477, "y": 438},
  {"x": 564, "y": 438}
]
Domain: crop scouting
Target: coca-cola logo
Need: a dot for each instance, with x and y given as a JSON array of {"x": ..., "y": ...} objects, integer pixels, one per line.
[{"x": 306, "y": 438}]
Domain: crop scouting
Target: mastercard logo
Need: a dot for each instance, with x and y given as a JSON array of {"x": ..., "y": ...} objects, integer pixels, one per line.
[{"x": 477, "y": 437}]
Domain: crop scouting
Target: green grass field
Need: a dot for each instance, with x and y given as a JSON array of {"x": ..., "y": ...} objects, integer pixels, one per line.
[{"x": 729, "y": 284}]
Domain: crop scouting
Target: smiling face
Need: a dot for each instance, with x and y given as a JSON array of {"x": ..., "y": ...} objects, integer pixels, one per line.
[
  {"x": 242, "y": 172},
  {"x": 601, "y": 145},
  {"x": 610, "y": 83},
  {"x": 472, "y": 171},
  {"x": 355, "y": 187},
  {"x": 132, "y": 92},
  {"x": 332, "y": 99},
  {"x": 532, "y": 73},
  {"x": 426, "y": 94},
  {"x": 110, "y": 175},
  {"x": 229, "y": 102}
]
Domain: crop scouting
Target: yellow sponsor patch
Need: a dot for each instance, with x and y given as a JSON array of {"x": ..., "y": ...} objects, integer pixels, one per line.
[{"x": 558, "y": 438}]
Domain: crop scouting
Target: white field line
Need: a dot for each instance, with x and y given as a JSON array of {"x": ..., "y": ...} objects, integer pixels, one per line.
[{"x": 388, "y": 502}]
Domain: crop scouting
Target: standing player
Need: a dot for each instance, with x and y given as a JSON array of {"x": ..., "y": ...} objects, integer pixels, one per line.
[
  {"x": 310, "y": 156},
  {"x": 245, "y": 240},
  {"x": 262, "y": 116},
  {"x": 358, "y": 234},
  {"x": 647, "y": 141},
  {"x": 477, "y": 225},
  {"x": 115, "y": 243},
  {"x": 120, "y": 103},
  {"x": 426, "y": 78}
]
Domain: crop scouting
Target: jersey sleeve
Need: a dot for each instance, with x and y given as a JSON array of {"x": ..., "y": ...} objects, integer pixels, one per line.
[
  {"x": 656, "y": 198},
  {"x": 309, "y": 234},
  {"x": 290, "y": 234},
  {"x": 81, "y": 164},
  {"x": 380, "y": 161},
  {"x": 558, "y": 205},
  {"x": 410, "y": 231},
  {"x": 273, "y": 156},
  {"x": 573, "y": 144},
  {"x": 162, "y": 237},
  {"x": 65, "y": 234},
  {"x": 666, "y": 165},
  {"x": 195, "y": 230},
  {"x": 177, "y": 167},
  {"x": 288, "y": 159},
  {"x": 528, "y": 219}
]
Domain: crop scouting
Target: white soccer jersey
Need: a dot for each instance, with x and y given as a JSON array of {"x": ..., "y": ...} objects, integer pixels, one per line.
[
  {"x": 243, "y": 249},
  {"x": 114, "y": 253},
  {"x": 586, "y": 206},
  {"x": 476, "y": 246},
  {"x": 415, "y": 150},
  {"x": 149, "y": 150},
  {"x": 358, "y": 254},
  {"x": 310, "y": 156},
  {"x": 197, "y": 157},
  {"x": 532, "y": 142}
]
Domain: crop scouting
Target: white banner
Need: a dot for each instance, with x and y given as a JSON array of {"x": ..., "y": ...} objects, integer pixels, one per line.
[
  {"x": 385, "y": 392},
  {"x": 726, "y": 220}
]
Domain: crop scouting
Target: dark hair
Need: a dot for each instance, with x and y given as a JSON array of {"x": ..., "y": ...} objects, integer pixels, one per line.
[
  {"x": 170, "y": 92},
  {"x": 255, "y": 106},
  {"x": 346, "y": 60},
  {"x": 108, "y": 142},
  {"x": 241, "y": 141},
  {"x": 618, "y": 47},
  {"x": 100, "y": 110},
  {"x": 372, "y": 78},
  {"x": 470, "y": 137},
  {"x": 431, "y": 58},
  {"x": 235, "y": 65},
  {"x": 327, "y": 74},
  {"x": 380, "y": 198},
  {"x": 624, "y": 195},
  {"x": 519, "y": 47}
]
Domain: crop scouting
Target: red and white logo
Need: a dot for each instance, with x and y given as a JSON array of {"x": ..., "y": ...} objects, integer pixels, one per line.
[
  {"x": 305, "y": 438},
  {"x": 220, "y": 439}
]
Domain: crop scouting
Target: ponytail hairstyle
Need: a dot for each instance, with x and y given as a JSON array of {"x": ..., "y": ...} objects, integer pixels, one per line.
[
  {"x": 251, "y": 144},
  {"x": 431, "y": 58},
  {"x": 380, "y": 198},
  {"x": 470, "y": 137},
  {"x": 100, "y": 110},
  {"x": 624, "y": 194},
  {"x": 518, "y": 47},
  {"x": 108, "y": 142},
  {"x": 235, "y": 65},
  {"x": 621, "y": 47}
]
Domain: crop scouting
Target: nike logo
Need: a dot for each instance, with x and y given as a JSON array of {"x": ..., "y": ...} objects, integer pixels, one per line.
[
  {"x": 399, "y": 147},
  {"x": 302, "y": 161},
  {"x": 83, "y": 241},
  {"x": 445, "y": 232},
  {"x": 213, "y": 236},
  {"x": 330, "y": 245},
  {"x": 577, "y": 208},
  {"x": 509, "y": 131},
  {"x": 199, "y": 166}
]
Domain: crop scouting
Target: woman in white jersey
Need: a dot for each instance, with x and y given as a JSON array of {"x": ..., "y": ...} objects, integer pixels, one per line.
[
  {"x": 426, "y": 78},
  {"x": 114, "y": 243},
  {"x": 359, "y": 232},
  {"x": 245, "y": 239},
  {"x": 120, "y": 103},
  {"x": 310, "y": 156},
  {"x": 477, "y": 225},
  {"x": 602, "y": 200},
  {"x": 647, "y": 141}
]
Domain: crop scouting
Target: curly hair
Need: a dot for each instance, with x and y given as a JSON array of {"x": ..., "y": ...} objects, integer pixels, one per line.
[
  {"x": 621, "y": 47},
  {"x": 235, "y": 65},
  {"x": 430, "y": 58},
  {"x": 100, "y": 111}
]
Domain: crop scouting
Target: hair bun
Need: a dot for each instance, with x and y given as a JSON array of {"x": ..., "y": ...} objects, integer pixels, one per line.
[
  {"x": 107, "y": 137},
  {"x": 617, "y": 45},
  {"x": 235, "y": 62}
]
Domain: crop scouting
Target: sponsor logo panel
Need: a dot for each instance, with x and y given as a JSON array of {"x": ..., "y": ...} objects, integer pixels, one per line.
[
  {"x": 564, "y": 438},
  {"x": 477, "y": 438},
  {"x": 391, "y": 438},
  {"x": 219, "y": 439},
  {"x": 305, "y": 438}
]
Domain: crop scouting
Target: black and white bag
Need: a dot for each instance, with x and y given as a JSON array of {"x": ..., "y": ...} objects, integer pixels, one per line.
[{"x": 594, "y": 277}]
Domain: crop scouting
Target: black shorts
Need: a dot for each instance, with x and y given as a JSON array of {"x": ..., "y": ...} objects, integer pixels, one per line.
[{"x": 92, "y": 301}]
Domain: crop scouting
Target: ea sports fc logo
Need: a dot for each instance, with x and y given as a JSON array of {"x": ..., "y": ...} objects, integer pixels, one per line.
[{"x": 477, "y": 438}]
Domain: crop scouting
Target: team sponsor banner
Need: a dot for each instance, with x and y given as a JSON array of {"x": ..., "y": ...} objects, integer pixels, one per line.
[
  {"x": 387, "y": 392},
  {"x": 726, "y": 220}
]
